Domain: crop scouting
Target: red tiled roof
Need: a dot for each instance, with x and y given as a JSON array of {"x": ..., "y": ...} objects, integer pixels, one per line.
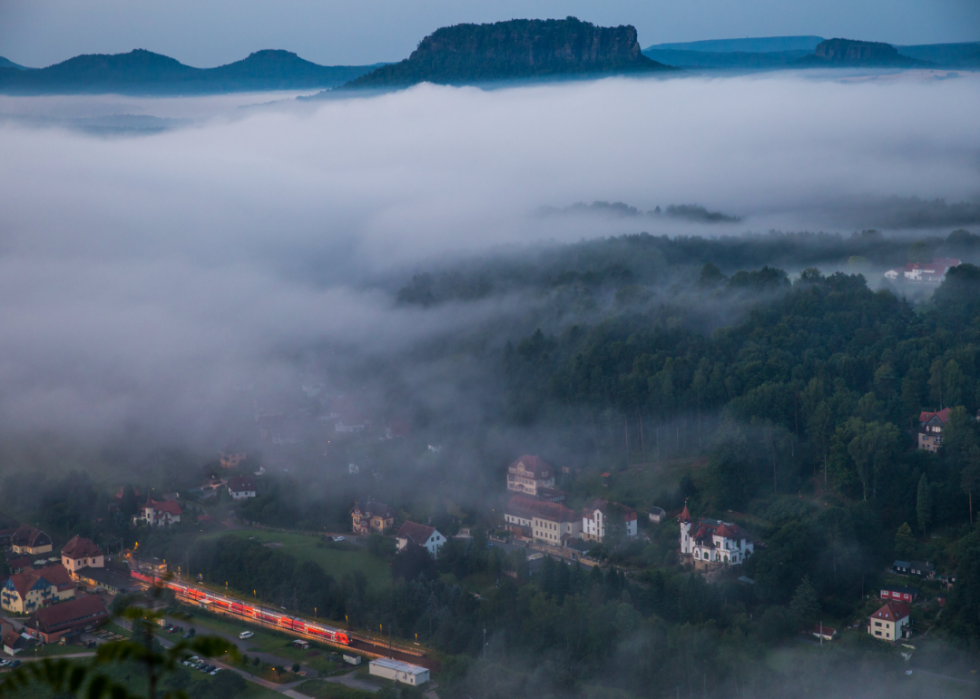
[
  {"x": 55, "y": 575},
  {"x": 892, "y": 611},
  {"x": 57, "y": 616},
  {"x": 529, "y": 507},
  {"x": 685, "y": 515},
  {"x": 77, "y": 547},
  {"x": 604, "y": 506},
  {"x": 415, "y": 532},
  {"x": 943, "y": 415},
  {"x": 534, "y": 464},
  {"x": 240, "y": 484},
  {"x": 170, "y": 506},
  {"x": 26, "y": 535}
]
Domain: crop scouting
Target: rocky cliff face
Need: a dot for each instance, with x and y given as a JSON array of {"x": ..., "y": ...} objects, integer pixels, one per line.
[
  {"x": 516, "y": 49},
  {"x": 845, "y": 52}
]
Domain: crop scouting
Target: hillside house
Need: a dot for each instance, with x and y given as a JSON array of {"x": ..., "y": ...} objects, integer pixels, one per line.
[
  {"x": 241, "y": 488},
  {"x": 891, "y": 622},
  {"x": 159, "y": 514},
  {"x": 899, "y": 594},
  {"x": 601, "y": 516},
  {"x": 529, "y": 474},
  {"x": 923, "y": 272},
  {"x": 72, "y": 618},
  {"x": 657, "y": 515},
  {"x": 27, "y": 540},
  {"x": 24, "y": 592},
  {"x": 541, "y": 520},
  {"x": 713, "y": 541},
  {"x": 420, "y": 535},
  {"x": 81, "y": 553},
  {"x": 923, "y": 569},
  {"x": 372, "y": 517},
  {"x": 931, "y": 427}
]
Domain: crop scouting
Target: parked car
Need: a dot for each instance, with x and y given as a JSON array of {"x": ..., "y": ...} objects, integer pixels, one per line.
[
  {"x": 340, "y": 538},
  {"x": 245, "y": 634},
  {"x": 14, "y": 663},
  {"x": 4, "y": 663}
]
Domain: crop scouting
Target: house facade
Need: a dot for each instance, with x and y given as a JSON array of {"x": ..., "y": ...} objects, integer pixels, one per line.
[
  {"x": 29, "y": 541},
  {"x": 420, "y": 535},
  {"x": 713, "y": 541},
  {"x": 159, "y": 514},
  {"x": 372, "y": 517},
  {"x": 529, "y": 475},
  {"x": 77, "y": 616},
  {"x": 600, "y": 516},
  {"x": 891, "y": 622},
  {"x": 899, "y": 594},
  {"x": 541, "y": 520},
  {"x": 241, "y": 488},
  {"x": 81, "y": 553},
  {"x": 931, "y": 427},
  {"x": 32, "y": 589}
]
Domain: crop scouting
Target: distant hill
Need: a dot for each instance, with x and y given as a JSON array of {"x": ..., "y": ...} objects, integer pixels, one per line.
[
  {"x": 144, "y": 72},
  {"x": 734, "y": 60},
  {"x": 6, "y": 63},
  {"x": 945, "y": 55},
  {"x": 767, "y": 44},
  {"x": 518, "y": 49},
  {"x": 839, "y": 53}
]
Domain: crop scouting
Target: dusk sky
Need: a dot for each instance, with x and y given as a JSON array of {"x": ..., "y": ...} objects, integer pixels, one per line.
[{"x": 41, "y": 32}]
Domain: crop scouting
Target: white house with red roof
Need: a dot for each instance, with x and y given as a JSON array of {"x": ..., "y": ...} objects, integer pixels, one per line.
[
  {"x": 931, "y": 426},
  {"x": 420, "y": 535},
  {"x": 241, "y": 488},
  {"x": 530, "y": 474},
  {"x": 81, "y": 553},
  {"x": 714, "y": 541},
  {"x": 598, "y": 516},
  {"x": 891, "y": 622},
  {"x": 159, "y": 514},
  {"x": 923, "y": 272}
]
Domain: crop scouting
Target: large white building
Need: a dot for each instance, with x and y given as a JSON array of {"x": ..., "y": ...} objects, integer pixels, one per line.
[
  {"x": 544, "y": 522},
  {"x": 714, "y": 541},
  {"x": 599, "y": 516}
]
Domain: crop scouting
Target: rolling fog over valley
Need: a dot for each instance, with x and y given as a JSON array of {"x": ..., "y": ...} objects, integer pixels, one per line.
[{"x": 526, "y": 361}]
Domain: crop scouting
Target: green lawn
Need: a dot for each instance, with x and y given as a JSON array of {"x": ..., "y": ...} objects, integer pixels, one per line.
[
  {"x": 331, "y": 690},
  {"x": 268, "y": 641},
  {"x": 335, "y": 562}
]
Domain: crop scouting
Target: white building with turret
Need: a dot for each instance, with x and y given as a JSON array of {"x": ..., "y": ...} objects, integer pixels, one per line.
[{"x": 714, "y": 541}]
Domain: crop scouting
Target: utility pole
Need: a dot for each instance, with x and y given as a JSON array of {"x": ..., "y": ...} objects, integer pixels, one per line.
[{"x": 484, "y": 642}]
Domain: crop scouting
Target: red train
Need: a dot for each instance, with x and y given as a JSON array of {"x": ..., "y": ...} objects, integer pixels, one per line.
[{"x": 247, "y": 612}]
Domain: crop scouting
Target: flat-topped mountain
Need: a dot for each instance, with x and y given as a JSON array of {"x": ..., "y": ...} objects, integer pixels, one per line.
[
  {"x": 520, "y": 48},
  {"x": 846, "y": 52},
  {"x": 145, "y": 72}
]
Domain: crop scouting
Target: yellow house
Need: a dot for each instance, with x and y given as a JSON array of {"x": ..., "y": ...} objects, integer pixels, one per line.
[
  {"x": 891, "y": 622},
  {"x": 26, "y": 592},
  {"x": 31, "y": 541}
]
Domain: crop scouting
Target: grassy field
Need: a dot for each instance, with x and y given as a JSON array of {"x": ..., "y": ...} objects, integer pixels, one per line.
[
  {"x": 331, "y": 690},
  {"x": 335, "y": 562},
  {"x": 266, "y": 641}
]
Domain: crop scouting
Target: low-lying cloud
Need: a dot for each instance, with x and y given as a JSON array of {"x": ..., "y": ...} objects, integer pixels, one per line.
[{"x": 143, "y": 277}]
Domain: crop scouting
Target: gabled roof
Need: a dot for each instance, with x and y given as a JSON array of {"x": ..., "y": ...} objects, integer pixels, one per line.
[
  {"x": 529, "y": 507},
  {"x": 534, "y": 464},
  {"x": 60, "y": 615},
  {"x": 415, "y": 532},
  {"x": 606, "y": 507},
  {"x": 941, "y": 416},
  {"x": 892, "y": 611},
  {"x": 240, "y": 484},
  {"x": 685, "y": 515},
  {"x": 56, "y": 575},
  {"x": 170, "y": 506},
  {"x": 26, "y": 535},
  {"x": 373, "y": 508},
  {"x": 77, "y": 547}
]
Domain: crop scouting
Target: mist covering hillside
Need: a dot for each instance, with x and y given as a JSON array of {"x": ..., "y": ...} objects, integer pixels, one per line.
[{"x": 676, "y": 283}]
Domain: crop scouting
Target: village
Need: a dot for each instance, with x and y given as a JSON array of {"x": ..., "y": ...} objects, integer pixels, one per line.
[{"x": 62, "y": 597}]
